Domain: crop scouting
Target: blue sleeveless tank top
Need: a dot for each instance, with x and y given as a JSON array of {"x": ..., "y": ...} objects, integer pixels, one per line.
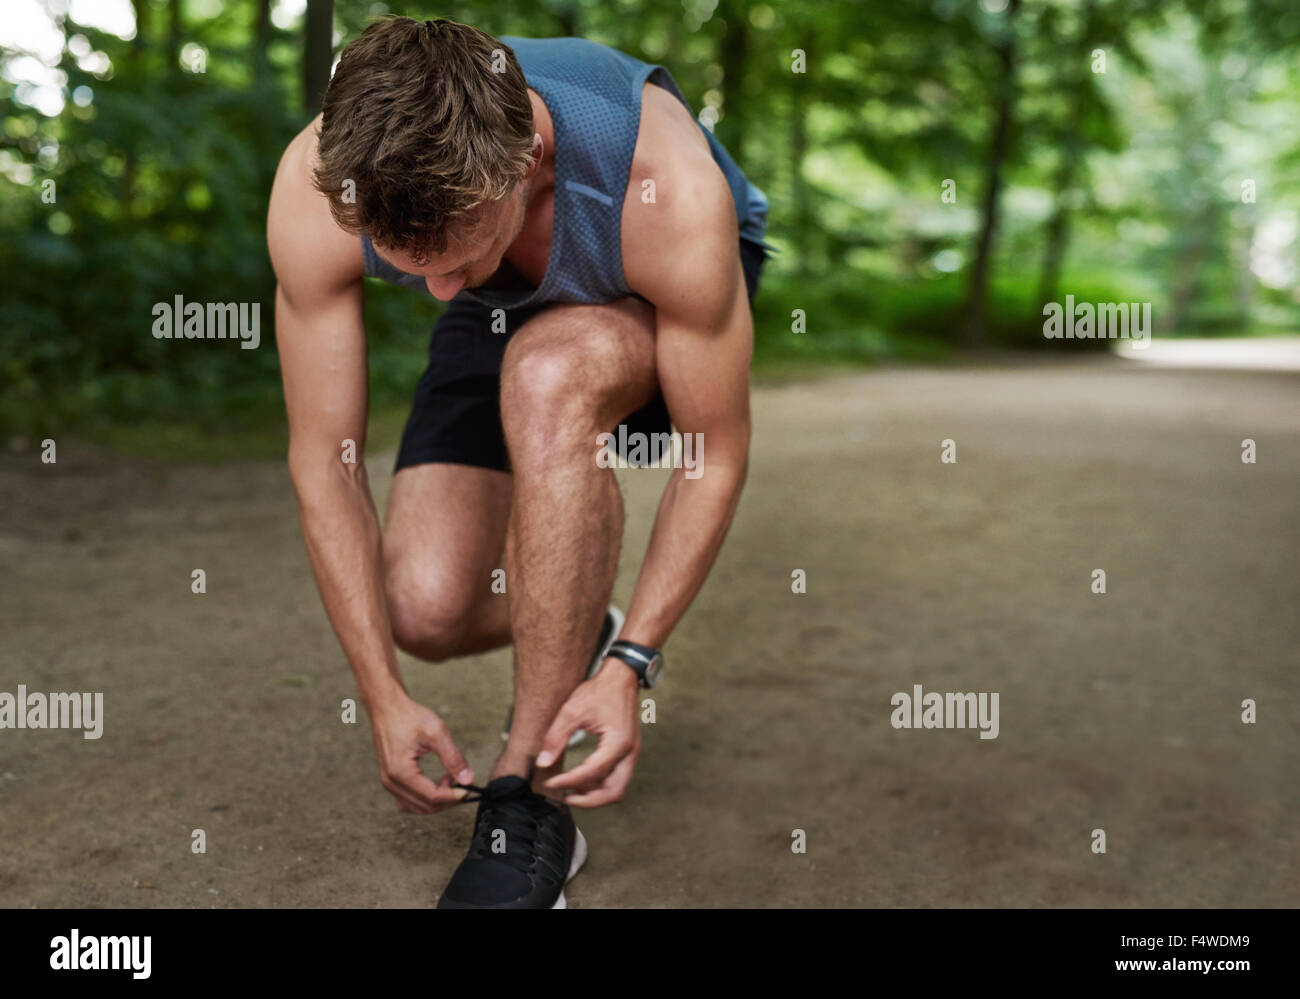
[{"x": 593, "y": 94}]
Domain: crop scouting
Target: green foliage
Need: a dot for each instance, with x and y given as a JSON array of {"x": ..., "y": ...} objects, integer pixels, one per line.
[
  {"x": 1122, "y": 186},
  {"x": 857, "y": 321}
]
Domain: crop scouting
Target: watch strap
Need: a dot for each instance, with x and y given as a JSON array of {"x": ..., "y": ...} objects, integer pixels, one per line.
[{"x": 639, "y": 657}]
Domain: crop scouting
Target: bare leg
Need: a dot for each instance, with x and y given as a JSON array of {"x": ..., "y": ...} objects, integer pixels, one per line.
[
  {"x": 569, "y": 374},
  {"x": 443, "y": 535}
]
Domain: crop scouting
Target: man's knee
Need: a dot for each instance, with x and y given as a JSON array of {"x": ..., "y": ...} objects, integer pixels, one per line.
[
  {"x": 570, "y": 373},
  {"x": 430, "y": 618},
  {"x": 571, "y": 368}
]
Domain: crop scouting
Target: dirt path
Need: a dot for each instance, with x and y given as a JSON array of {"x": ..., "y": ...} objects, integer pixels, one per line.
[{"x": 1118, "y": 711}]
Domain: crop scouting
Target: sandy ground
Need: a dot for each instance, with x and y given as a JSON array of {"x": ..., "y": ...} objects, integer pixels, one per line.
[{"x": 1118, "y": 712}]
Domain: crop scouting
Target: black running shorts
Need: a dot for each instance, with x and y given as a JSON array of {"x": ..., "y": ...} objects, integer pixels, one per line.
[{"x": 456, "y": 415}]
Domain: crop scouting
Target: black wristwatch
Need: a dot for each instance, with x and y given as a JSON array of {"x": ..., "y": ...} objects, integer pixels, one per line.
[{"x": 647, "y": 663}]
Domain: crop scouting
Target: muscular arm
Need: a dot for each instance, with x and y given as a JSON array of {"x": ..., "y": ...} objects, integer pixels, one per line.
[
  {"x": 704, "y": 341},
  {"x": 321, "y": 340},
  {"x": 685, "y": 261},
  {"x": 680, "y": 253},
  {"x": 325, "y": 395}
]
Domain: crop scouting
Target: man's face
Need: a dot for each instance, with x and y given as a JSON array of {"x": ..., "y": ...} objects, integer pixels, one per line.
[{"x": 474, "y": 251}]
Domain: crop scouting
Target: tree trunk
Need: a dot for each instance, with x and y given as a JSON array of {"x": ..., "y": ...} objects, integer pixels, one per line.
[
  {"x": 317, "y": 52},
  {"x": 135, "y": 68},
  {"x": 733, "y": 58},
  {"x": 262, "y": 39},
  {"x": 1057, "y": 235},
  {"x": 1198, "y": 238},
  {"x": 973, "y": 328},
  {"x": 174, "y": 30}
]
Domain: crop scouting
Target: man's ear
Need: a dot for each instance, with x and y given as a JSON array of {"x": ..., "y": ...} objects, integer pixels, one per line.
[{"x": 538, "y": 151}]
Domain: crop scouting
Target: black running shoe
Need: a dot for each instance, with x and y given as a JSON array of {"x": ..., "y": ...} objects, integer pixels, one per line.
[
  {"x": 609, "y": 630},
  {"x": 525, "y": 848}
]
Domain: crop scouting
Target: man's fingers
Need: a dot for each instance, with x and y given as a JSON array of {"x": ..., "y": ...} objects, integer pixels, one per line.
[
  {"x": 429, "y": 792},
  {"x": 594, "y": 768},
  {"x": 406, "y": 802},
  {"x": 432, "y": 796},
  {"x": 556, "y": 740},
  {"x": 612, "y": 790},
  {"x": 453, "y": 760},
  {"x": 455, "y": 794}
]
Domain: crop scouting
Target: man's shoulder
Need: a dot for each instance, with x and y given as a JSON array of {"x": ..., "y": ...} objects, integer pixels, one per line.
[
  {"x": 307, "y": 246},
  {"x": 679, "y": 219}
]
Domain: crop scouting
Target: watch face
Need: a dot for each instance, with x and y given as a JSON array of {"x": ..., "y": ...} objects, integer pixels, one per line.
[{"x": 654, "y": 671}]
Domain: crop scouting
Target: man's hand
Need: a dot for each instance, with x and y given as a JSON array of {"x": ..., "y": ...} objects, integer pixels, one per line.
[
  {"x": 403, "y": 732},
  {"x": 605, "y": 705}
]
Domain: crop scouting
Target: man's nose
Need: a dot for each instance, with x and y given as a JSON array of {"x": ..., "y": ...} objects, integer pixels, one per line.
[{"x": 444, "y": 289}]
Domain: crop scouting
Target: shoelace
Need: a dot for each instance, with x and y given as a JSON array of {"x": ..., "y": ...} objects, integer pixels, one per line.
[
  {"x": 520, "y": 814},
  {"x": 482, "y": 793},
  {"x": 527, "y": 786}
]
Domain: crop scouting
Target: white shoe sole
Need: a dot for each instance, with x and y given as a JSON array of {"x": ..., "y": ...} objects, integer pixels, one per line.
[{"x": 579, "y": 858}]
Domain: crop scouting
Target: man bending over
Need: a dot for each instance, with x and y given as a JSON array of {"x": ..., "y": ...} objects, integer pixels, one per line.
[{"x": 599, "y": 250}]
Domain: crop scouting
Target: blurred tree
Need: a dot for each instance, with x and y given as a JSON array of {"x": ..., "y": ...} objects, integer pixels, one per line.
[
  {"x": 262, "y": 38},
  {"x": 175, "y": 27},
  {"x": 1118, "y": 186},
  {"x": 1004, "y": 45},
  {"x": 1082, "y": 120},
  {"x": 317, "y": 53},
  {"x": 733, "y": 57}
]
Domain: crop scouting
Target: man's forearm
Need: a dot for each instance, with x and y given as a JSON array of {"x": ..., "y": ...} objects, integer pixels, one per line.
[
  {"x": 690, "y": 525},
  {"x": 341, "y": 529}
]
